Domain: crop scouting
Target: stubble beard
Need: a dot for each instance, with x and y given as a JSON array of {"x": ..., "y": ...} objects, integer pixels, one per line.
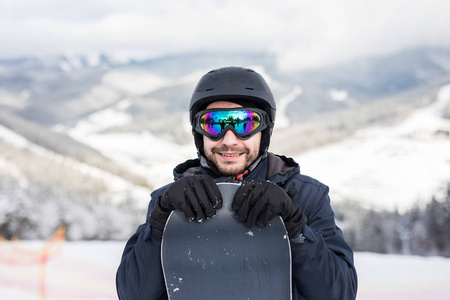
[{"x": 231, "y": 168}]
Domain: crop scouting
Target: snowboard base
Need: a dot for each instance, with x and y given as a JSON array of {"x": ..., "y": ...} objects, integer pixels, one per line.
[{"x": 223, "y": 259}]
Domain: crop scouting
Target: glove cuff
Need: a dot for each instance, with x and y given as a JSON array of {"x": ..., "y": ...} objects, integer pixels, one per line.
[
  {"x": 295, "y": 222},
  {"x": 158, "y": 217}
]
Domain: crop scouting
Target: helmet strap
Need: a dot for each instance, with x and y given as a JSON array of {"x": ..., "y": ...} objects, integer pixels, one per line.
[{"x": 265, "y": 141}]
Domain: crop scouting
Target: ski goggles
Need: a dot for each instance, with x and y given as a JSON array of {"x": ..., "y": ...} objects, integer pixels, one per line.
[{"x": 244, "y": 122}]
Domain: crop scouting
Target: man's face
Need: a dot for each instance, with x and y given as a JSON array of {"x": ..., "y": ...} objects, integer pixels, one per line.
[{"x": 230, "y": 154}]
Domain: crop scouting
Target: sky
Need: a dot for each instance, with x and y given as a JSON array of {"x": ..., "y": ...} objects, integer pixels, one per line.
[{"x": 303, "y": 34}]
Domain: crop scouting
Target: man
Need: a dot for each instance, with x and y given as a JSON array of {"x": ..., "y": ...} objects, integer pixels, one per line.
[{"x": 223, "y": 101}]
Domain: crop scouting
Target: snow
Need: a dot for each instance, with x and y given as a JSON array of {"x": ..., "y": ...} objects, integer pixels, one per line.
[
  {"x": 11, "y": 100},
  {"x": 71, "y": 62},
  {"x": 402, "y": 277},
  {"x": 134, "y": 82},
  {"x": 383, "y": 168},
  {"x": 100, "y": 120},
  {"x": 282, "y": 120},
  {"x": 81, "y": 270},
  {"x": 143, "y": 152},
  {"x": 13, "y": 171},
  {"x": 12, "y": 138},
  {"x": 117, "y": 185},
  {"x": 86, "y": 270},
  {"x": 338, "y": 95},
  {"x": 385, "y": 172},
  {"x": 388, "y": 168},
  {"x": 391, "y": 168},
  {"x": 149, "y": 156}
]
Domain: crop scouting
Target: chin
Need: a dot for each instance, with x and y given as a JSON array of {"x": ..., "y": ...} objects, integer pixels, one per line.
[{"x": 230, "y": 170}]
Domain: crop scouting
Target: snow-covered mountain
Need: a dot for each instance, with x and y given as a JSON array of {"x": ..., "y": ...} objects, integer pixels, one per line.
[
  {"x": 85, "y": 141},
  {"x": 65, "y": 89},
  {"x": 48, "y": 180},
  {"x": 95, "y": 132},
  {"x": 391, "y": 167}
]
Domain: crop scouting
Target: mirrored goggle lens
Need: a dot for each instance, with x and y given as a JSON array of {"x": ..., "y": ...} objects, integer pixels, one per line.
[{"x": 243, "y": 121}]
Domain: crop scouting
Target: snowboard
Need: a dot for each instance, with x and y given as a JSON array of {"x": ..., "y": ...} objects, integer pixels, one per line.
[{"x": 222, "y": 258}]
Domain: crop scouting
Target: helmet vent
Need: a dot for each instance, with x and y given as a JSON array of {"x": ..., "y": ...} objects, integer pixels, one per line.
[
  {"x": 249, "y": 88},
  {"x": 207, "y": 90}
]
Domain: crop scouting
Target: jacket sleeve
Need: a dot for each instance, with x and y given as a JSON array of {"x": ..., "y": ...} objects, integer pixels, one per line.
[
  {"x": 322, "y": 267},
  {"x": 140, "y": 275}
]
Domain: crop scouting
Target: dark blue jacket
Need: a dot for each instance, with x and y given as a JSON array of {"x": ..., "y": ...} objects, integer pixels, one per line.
[{"x": 322, "y": 267}]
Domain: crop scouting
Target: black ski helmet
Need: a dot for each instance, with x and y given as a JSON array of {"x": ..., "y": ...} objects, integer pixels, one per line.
[{"x": 241, "y": 85}]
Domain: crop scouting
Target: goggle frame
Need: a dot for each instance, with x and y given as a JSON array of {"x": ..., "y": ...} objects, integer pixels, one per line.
[{"x": 264, "y": 122}]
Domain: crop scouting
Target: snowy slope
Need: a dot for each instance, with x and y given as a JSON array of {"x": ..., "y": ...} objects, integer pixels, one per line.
[
  {"x": 392, "y": 167},
  {"x": 117, "y": 186},
  {"x": 389, "y": 168},
  {"x": 143, "y": 152},
  {"x": 86, "y": 270},
  {"x": 381, "y": 167},
  {"x": 395, "y": 277}
]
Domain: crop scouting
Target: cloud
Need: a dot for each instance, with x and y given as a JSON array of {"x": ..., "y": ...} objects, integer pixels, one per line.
[{"x": 303, "y": 33}]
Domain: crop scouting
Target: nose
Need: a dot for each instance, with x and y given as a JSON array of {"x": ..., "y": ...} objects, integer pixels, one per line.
[{"x": 230, "y": 139}]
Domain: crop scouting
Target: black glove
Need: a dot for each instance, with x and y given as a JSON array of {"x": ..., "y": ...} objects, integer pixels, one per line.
[
  {"x": 258, "y": 201},
  {"x": 198, "y": 197}
]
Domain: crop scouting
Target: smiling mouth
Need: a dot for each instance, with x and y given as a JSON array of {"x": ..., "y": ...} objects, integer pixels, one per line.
[
  {"x": 229, "y": 152},
  {"x": 230, "y": 155}
]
